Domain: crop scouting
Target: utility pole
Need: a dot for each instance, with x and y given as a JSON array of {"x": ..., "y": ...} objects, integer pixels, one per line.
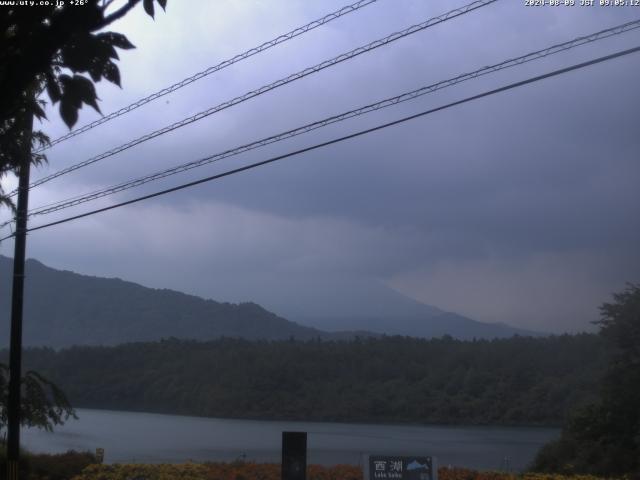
[{"x": 15, "y": 349}]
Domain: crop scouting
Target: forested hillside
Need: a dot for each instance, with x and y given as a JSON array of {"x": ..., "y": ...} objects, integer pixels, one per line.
[{"x": 391, "y": 379}]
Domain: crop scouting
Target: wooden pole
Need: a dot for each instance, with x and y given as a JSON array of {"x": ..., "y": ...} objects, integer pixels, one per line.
[{"x": 17, "y": 301}]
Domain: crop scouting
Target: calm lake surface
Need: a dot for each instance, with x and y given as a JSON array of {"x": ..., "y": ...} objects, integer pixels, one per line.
[{"x": 153, "y": 438}]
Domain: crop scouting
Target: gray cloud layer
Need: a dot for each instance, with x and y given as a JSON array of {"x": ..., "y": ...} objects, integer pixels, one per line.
[{"x": 521, "y": 208}]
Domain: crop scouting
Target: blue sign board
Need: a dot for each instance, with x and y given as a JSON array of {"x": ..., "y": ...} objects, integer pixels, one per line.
[{"x": 395, "y": 467}]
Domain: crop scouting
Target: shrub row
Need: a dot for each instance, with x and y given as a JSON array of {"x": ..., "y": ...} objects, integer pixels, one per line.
[
  {"x": 256, "y": 471},
  {"x": 82, "y": 466},
  {"x": 44, "y": 466}
]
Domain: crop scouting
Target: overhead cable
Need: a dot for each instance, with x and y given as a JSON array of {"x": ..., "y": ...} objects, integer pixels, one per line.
[
  {"x": 77, "y": 200},
  {"x": 216, "y": 68},
  {"x": 267, "y": 88},
  {"x": 340, "y": 139}
]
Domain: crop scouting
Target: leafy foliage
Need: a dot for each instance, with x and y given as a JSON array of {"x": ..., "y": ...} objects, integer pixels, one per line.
[
  {"x": 217, "y": 471},
  {"x": 40, "y": 44},
  {"x": 15, "y": 140},
  {"x": 49, "y": 48},
  {"x": 512, "y": 381},
  {"x": 604, "y": 438},
  {"x": 43, "y": 405},
  {"x": 270, "y": 471},
  {"x": 42, "y": 466}
]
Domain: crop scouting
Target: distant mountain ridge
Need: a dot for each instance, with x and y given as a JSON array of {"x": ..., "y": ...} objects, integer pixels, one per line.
[
  {"x": 423, "y": 326},
  {"x": 63, "y": 308},
  {"x": 361, "y": 303},
  {"x": 392, "y": 313}
]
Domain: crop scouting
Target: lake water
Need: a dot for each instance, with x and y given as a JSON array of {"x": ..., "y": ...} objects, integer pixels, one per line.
[{"x": 153, "y": 438}]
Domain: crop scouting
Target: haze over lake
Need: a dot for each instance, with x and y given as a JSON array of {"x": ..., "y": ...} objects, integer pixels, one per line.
[{"x": 153, "y": 438}]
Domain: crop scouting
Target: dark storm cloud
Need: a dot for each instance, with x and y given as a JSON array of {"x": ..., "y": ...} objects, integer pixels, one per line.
[{"x": 528, "y": 191}]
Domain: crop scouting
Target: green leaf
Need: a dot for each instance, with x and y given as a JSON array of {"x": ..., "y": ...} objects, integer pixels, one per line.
[
  {"x": 65, "y": 82},
  {"x": 110, "y": 72},
  {"x": 38, "y": 141},
  {"x": 53, "y": 89},
  {"x": 148, "y": 7},
  {"x": 38, "y": 111},
  {"x": 117, "y": 40},
  {"x": 89, "y": 53},
  {"x": 79, "y": 52},
  {"x": 85, "y": 90},
  {"x": 68, "y": 112},
  {"x": 70, "y": 95},
  {"x": 111, "y": 52},
  {"x": 95, "y": 71},
  {"x": 103, "y": 48}
]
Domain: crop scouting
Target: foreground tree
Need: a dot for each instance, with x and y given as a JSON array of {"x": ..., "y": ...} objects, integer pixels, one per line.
[
  {"x": 61, "y": 50},
  {"x": 604, "y": 438},
  {"x": 45, "y": 47},
  {"x": 44, "y": 405}
]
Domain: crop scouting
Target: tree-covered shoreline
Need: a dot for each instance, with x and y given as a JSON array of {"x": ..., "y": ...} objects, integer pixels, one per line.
[
  {"x": 519, "y": 381},
  {"x": 603, "y": 437}
]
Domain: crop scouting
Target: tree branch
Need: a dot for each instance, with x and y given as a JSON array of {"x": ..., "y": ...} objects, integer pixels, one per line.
[{"x": 117, "y": 14}]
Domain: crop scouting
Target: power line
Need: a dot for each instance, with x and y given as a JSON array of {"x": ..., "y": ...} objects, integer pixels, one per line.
[
  {"x": 341, "y": 139},
  {"x": 77, "y": 200},
  {"x": 266, "y": 88},
  {"x": 220, "y": 66}
]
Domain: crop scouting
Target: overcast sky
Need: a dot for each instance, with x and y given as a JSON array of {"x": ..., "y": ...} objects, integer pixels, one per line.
[{"x": 522, "y": 207}]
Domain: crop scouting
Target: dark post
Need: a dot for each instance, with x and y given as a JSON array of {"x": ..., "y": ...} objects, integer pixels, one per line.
[
  {"x": 294, "y": 455},
  {"x": 15, "y": 348}
]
